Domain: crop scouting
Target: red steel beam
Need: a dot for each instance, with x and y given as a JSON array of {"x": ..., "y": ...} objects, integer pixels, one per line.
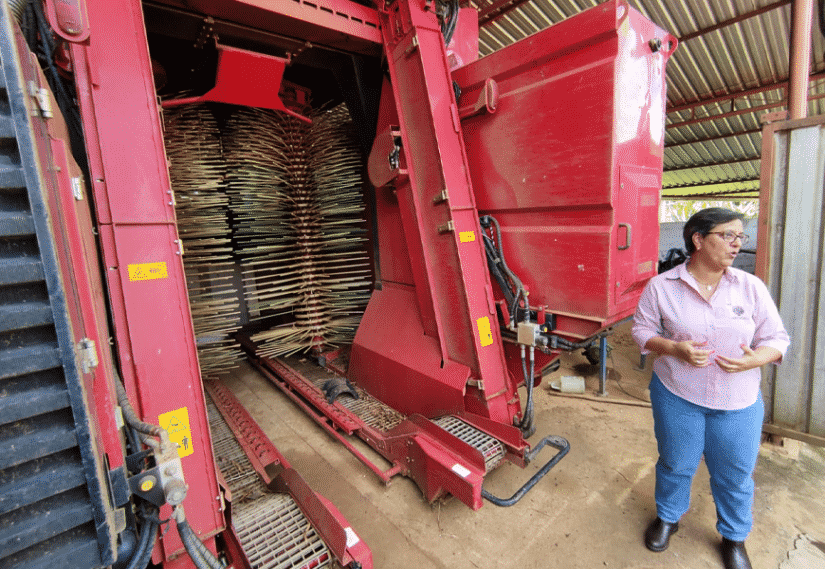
[
  {"x": 737, "y": 94},
  {"x": 497, "y": 9},
  {"x": 716, "y": 137},
  {"x": 734, "y": 20},
  {"x": 723, "y": 163},
  {"x": 740, "y": 112}
]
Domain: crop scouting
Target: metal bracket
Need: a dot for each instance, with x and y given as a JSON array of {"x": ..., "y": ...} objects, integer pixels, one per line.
[
  {"x": 77, "y": 188},
  {"x": 87, "y": 354},
  {"x": 41, "y": 97},
  {"x": 441, "y": 197},
  {"x": 447, "y": 227}
]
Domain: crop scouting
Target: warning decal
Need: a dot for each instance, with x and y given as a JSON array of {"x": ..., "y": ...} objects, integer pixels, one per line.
[
  {"x": 467, "y": 236},
  {"x": 147, "y": 271},
  {"x": 176, "y": 424},
  {"x": 485, "y": 334}
]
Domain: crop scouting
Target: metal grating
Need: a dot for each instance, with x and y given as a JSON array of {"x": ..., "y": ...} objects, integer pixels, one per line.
[
  {"x": 238, "y": 472},
  {"x": 491, "y": 449},
  {"x": 271, "y": 528},
  {"x": 275, "y": 534}
]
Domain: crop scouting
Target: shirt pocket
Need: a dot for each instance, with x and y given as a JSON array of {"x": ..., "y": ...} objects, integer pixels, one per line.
[{"x": 732, "y": 329}]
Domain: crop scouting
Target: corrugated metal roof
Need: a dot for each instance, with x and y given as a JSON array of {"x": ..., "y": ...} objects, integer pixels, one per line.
[{"x": 732, "y": 71}]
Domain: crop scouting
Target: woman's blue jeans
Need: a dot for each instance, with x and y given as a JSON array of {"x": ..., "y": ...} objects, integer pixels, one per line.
[{"x": 730, "y": 442}]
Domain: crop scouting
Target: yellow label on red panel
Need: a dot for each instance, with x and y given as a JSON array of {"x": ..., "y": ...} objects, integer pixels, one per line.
[
  {"x": 176, "y": 424},
  {"x": 485, "y": 333},
  {"x": 467, "y": 236},
  {"x": 147, "y": 271}
]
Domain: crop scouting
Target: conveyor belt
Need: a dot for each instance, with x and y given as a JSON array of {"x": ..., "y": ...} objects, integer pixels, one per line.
[{"x": 272, "y": 530}]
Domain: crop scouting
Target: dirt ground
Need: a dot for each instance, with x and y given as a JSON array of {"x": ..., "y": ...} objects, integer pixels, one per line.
[{"x": 589, "y": 511}]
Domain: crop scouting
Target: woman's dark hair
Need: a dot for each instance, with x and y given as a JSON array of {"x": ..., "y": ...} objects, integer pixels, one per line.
[{"x": 703, "y": 222}]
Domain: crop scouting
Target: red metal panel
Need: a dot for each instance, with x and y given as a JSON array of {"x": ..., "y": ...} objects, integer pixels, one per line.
[
  {"x": 575, "y": 179},
  {"x": 452, "y": 287},
  {"x": 341, "y": 24},
  {"x": 153, "y": 327}
]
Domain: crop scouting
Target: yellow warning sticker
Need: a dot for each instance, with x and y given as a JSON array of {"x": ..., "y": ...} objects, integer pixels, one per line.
[
  {"x": 176, "y": 424},
  {"x": 485, "y": 334},
  {"x": 147, "y": 271},
  {"x": 467, "y": 236}
]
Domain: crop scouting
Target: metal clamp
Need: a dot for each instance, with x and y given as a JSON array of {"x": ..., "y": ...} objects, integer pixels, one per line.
[{"x": 558, "y": 443}]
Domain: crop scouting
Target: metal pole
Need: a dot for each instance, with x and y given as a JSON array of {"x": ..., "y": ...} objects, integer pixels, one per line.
[
  {"x": 800, "y": 58},
  {"x": 603, "y": 366}
]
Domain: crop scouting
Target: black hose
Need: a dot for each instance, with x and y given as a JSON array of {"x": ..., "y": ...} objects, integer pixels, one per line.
[
  {"x": 520, "y": 292},
  {"x": 201, "y": 556},
  {"x": 129, "y": 414},
  {"x": 526, "y": 425},
  {"x": 143, "y": 553},
  {"x": 449, "y": 19}
]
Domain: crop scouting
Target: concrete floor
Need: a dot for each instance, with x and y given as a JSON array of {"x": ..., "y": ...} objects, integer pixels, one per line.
[{"x": 589, "y": 511}]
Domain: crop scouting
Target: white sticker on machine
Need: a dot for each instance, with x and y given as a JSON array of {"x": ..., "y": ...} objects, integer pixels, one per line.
[
  {"x": 352, "y": 538},
  {"x": 460, "y": 470}
]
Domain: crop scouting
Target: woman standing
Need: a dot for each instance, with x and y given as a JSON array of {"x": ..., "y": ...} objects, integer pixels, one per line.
[{"x": 713, "y": 326}]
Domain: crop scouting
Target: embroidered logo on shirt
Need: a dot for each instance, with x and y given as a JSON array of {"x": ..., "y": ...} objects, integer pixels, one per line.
[{"x": 738, "y": 310}]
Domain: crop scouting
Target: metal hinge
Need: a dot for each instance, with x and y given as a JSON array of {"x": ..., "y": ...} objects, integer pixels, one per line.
[
  {"x": 477, "y": 383},
  {"x": 87, "y": 353},
  {"x": 77, "y": 188},
  {"x": 41, "y": 97}
]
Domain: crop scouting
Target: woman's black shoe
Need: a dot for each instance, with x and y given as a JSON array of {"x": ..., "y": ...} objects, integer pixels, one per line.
[
  {"x": 657, "y": 536},
  {"x": 734, "y": 555}
]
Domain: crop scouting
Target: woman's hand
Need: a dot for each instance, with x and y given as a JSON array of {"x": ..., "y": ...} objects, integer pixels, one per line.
[
  {"x": 692, "y": 352},
  {"x": 749, "y": 360}
]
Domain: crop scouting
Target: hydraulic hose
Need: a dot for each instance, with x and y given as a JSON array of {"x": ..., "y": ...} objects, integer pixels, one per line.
[
  {"x": 143, "y": 552},
  {"x": 200, "y": 554},
  {"x": 526, "y": 425},
  {"x": 129, "y": 414}
]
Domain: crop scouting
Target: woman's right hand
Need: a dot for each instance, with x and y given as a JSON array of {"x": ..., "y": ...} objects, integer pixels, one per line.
[{"x": 693, "y": 352}]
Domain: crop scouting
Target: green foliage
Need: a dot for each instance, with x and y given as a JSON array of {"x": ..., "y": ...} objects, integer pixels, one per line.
[{"x": 681, "y": 210}]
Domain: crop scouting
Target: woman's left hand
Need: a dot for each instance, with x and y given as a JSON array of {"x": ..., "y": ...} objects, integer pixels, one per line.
[{"x": 749, "y": 360}]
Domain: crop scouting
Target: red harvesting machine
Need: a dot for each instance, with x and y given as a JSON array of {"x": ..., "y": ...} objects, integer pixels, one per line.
[{"x": 186, "y": 184}]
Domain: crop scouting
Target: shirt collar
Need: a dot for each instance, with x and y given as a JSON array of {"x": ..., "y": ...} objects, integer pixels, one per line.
[{"x": 682, "y": 273}]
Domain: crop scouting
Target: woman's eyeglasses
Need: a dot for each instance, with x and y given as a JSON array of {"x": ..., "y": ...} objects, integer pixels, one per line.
[{"x": 729, "y": 236}]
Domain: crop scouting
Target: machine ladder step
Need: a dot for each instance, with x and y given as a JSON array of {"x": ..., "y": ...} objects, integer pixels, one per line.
[
  {"x": 20, "y": 270},
  {"x": 30, "y": 396},
  {"x": 33, "y": 524},
  {"x": 16, "y": 223},
  {"x": 6, "y": 124},
  {"x": 20, "y": 361},
  {"x": 23, "y": 315},
  {"x": 11, "y": 176},
  {"x": 48, "y": 476}
]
